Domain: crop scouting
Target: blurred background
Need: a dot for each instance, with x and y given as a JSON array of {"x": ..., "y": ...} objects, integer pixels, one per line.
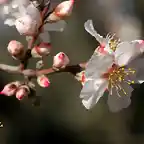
[{"x": 61, "y": 118}]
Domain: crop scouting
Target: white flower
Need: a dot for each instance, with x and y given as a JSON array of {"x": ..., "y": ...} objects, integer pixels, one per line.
[
  {"x": 103, "y": 73},
  {"x": 107, "y": 45},
  {"x": 26, "y": 26},
  {"x": 27, "y": 19},
  {"x": 114, "y": 66}
]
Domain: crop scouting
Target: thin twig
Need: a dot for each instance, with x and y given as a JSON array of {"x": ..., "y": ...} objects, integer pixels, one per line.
[
  {"x": 73, "y": 69},
  {"x": 9, "y": 68}
]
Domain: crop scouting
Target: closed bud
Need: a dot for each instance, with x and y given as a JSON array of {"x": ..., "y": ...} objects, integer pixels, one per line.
[
  {"x": 16, "y": 49},
  {"x": 10, "y": 89},
  {"x": 25, "y": 25},
  {"x": 60, "y": 60},
  {"x": 43, "y": 81},
  {"x": 22, "y": 92},
  {"x": 41, "y": 50},
  {"x": 62, "y": 11}
]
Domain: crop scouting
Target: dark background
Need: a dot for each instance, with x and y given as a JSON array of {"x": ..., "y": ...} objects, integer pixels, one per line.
[{"x": 61, "y": 118}]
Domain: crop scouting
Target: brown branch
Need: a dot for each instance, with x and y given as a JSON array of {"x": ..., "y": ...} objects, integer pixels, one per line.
[
  {"x": 10, "y": 69},
  {"x": 73, "y": 69}
]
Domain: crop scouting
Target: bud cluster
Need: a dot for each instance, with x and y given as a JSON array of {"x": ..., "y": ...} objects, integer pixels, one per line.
[
  {"x": 31, "y": 22},
  {"x": 16, "y": 88}
]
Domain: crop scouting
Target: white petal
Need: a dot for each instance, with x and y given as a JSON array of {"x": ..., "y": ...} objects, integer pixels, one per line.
[
  {"x": 6, "y": 9},
  {"x": 117, "y": 103},
  {"x": 22, "y": 10},
  {"x": 92, "y": 91},
  {"x": 34, "y": 13},
  {"x": 88, "y": 25},
  {"x": 45, "y": 37},
  {"x": 98, "y": 65},
  {"x": 58, "y": 26},
  {"x": 141, "y": 81},
  {"x": 138, "y": 65},
  {"x": 125, "y": 52},
  {"x": 9, "y": 22},
  {"x": 16, "y": 14}
]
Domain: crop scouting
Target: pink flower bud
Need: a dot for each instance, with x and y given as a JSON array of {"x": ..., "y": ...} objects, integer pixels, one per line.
[
  {"x": 41, "y": 50},
  {"x": 16, "y": 49},
  {"x": 26, "y": 25},
  {"x": 10, "y": 89},
  {"x": 22, "y": 92},
  {"x": 62, "y": 11},
  {"x": 60, "y": 60},
  {"x": 43, "y": 81}
]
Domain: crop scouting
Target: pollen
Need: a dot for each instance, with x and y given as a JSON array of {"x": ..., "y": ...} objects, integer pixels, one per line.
[
  {"x": 113, "y": 42},
  {"x": 117, "y": 75}
]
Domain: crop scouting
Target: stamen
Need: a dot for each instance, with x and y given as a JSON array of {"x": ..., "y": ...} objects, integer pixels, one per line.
[
  {"x": 116, "y": 75},
  {"x": 113, "y": 41}
]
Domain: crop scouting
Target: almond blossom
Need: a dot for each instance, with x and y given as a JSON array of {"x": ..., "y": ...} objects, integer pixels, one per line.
[
  {"x": 112, "y": 67},
  {"x": 27, "y": 19},
  {"x": 107, "y": 44},
  {"x": 102, "y": 74}
]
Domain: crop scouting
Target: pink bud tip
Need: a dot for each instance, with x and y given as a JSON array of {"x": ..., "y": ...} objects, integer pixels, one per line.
[
  {"x": 2, "y": 93},
  {"x": 61, "y": 56},
  {"x": 20, "y": 97},
  {"x": 46, "y": 83}
]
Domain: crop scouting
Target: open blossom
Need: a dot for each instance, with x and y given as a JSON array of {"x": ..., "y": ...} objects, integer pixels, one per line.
[
  {"x": 43, "y": 81},
  {"x": 60, "y": 60},
  {"x": 10, "y": 89},
  {"x": 25, "y": 25},
  {"x": 113, "y": 67},
  {"x": 129, "y": 51},
  {"x": 25, "y": 16},
  {"x": 107, "y": 44},
  {"x": 43, "y": 49},
  {"x": 16, "y": 49},
  {"x": 102, "y": 74},
  {"x": 27, "y": 19},
  {"x": 62, "y": 11},
  {"x": 22, "y": 92}
]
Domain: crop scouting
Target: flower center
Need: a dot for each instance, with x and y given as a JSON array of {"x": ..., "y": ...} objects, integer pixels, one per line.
[
  {"x": 117, "y": 75},
  {"x": 113, "y": 44}
]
